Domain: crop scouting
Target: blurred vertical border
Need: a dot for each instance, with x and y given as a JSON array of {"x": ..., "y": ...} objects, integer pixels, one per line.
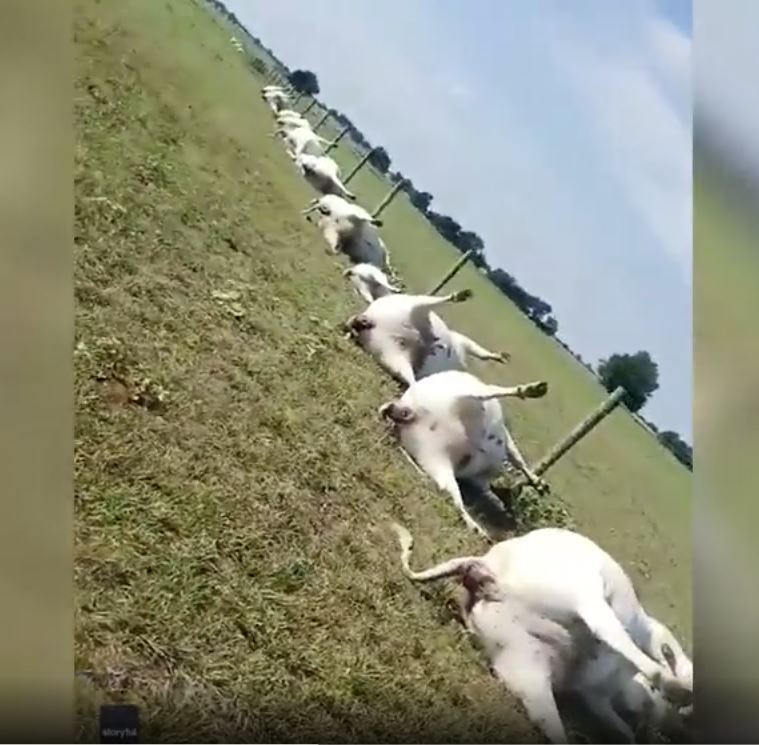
[
  {"x": 726, "y": 344},
  {"x": 36, "y": 419}
]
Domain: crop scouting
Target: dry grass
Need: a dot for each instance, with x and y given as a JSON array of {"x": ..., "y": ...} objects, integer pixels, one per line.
[{"x": 234, "y": 572}]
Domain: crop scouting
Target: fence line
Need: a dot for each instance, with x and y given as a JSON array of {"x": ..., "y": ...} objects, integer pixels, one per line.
[
  {"x": 452, "y": 272},
  {"x": 359, "y": 165},
  {"x": 584, "y": 427},
  {"x": 309, "y": 107},
  {"x": 321, "y": 121},
  {"x": 575, "y": 435},
  {"x": 380, "y": 208},
  {"x": 337, "y": 139}
]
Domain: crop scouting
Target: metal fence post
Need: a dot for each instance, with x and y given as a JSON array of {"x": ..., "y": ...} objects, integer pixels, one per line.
[
  {"x": 309, "y": 107},
  {"x": 321, "y": 121},
  {"x": 359, "y": 166},
  {"x": 452, "y": 272},
  {"x": 332, "y": 145},
  {"x": 586, "y": 425},
  {"x": 389, "y": 197}
]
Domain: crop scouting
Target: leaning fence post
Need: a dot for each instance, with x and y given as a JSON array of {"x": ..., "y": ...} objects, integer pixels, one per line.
[
  {"x": 359, "y": 165},
  {"x": 321, "y": 121},
  {"x": 309, "y": 107},
  {"x": 332, "y": 145},
  {"x": 593, "y": 419},
  {"x": 452, "y": 272},
  {"x": 297, "y": 98},
  {"x": 389, "y": 197}
]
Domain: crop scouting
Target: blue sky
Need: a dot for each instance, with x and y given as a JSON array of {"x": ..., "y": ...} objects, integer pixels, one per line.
[{"x": 568, "y": 129}]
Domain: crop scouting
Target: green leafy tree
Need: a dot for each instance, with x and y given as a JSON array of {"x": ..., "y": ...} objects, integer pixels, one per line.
[
  {"x": 304, "y": 81},
  {"x": 680, "y": 449},
  {"x": 380, "y": 159},
  {"x": 637, "y": 373}
]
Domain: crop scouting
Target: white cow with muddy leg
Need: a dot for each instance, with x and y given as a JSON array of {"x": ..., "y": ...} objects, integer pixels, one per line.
[
  {"x": 451, "y": 425},
  {"x": 542, "y": 605}
]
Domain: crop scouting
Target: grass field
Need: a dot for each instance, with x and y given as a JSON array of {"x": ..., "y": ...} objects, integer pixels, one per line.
[{"x": 233, "y": 566}]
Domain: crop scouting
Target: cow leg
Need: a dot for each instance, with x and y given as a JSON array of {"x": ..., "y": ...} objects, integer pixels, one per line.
[
  {"x": 516, "y": 455},
  {"x": 329, "y": 231},
  {"x": 599, "y": 705},
  {"x": 528, "y": 678},
  {"x": 606, "y": 626},
  {"x": 397, "y": 364},
  {"x": 440, "y": 470},
  {"x": 472, "y": 348}
]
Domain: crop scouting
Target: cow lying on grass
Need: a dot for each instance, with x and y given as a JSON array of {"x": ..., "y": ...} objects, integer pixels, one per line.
[
  {"x": 451, "y": 425},
  {"x": 409, "y": 341},
  {"x": 542, "y": 606}
]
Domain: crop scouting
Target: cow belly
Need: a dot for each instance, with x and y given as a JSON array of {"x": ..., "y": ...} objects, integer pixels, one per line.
[
  {"x": 442, "y": 357},
  {"x": 487, "y": 452}
]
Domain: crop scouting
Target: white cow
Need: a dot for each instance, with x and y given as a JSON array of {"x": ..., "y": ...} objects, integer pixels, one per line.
[
  {"x": 452, "y": 426},
  {"x": 323, "y": 174},
  {"x": 350, "y": 229},
  {"x": 302, "y": 140},
  {"x": 290, "y": 124},
  {"x": 292, "y": 120},
  {"x": 276, "y": 99},
  {"x": 620, "y": 697},
  {"x": 369, "y": 282},
  {"x": 539, "y": 602},
  {"x": 346, "y": 215},
  {"x": 411, "y": 342}
]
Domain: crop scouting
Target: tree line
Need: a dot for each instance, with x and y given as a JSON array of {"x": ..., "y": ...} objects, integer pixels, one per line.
[{"x": 636, "y": 373}]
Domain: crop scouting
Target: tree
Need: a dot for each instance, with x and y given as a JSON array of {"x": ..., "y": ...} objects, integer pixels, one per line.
[
  {"x": 358, "y": 137},
  {"x": 679, "y": 448},
  {"x": 380, "y": 159},
  {"x": 469, "y": 241},
  {"x": 481, "y": 263},
  {"x": 304, "y": 81},
  {"x": 421, "y": 200},
  {"x": 550, "y": 326},
  {"x": 637, "y": 373},
  {"x": 446, "y": 226}
]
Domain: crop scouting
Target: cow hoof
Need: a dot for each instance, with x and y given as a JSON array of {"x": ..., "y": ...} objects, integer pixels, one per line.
[
  {"x": 461, "y": 296},
  {"x": 541, "y": 487},
  {"x": 535, "y": 390}
]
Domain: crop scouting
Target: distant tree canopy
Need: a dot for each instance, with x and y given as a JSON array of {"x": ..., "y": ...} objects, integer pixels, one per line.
[
  {"x": 535, "y": 308},
  {"x": 221, "y": 8},
  {"x": 446, "y": 226},
  {"x": 469, "y": 241},
  {"x": 680, "y": 449},
  {"x": 421, "y": 200},
  {"x": 380, "y": 159},
  {"x": 304, "y": 81},
  {"x": 637, "y": 373}
]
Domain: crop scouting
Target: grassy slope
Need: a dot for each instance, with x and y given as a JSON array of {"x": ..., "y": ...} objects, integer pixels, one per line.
[{"x": 232, "y": 556}]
